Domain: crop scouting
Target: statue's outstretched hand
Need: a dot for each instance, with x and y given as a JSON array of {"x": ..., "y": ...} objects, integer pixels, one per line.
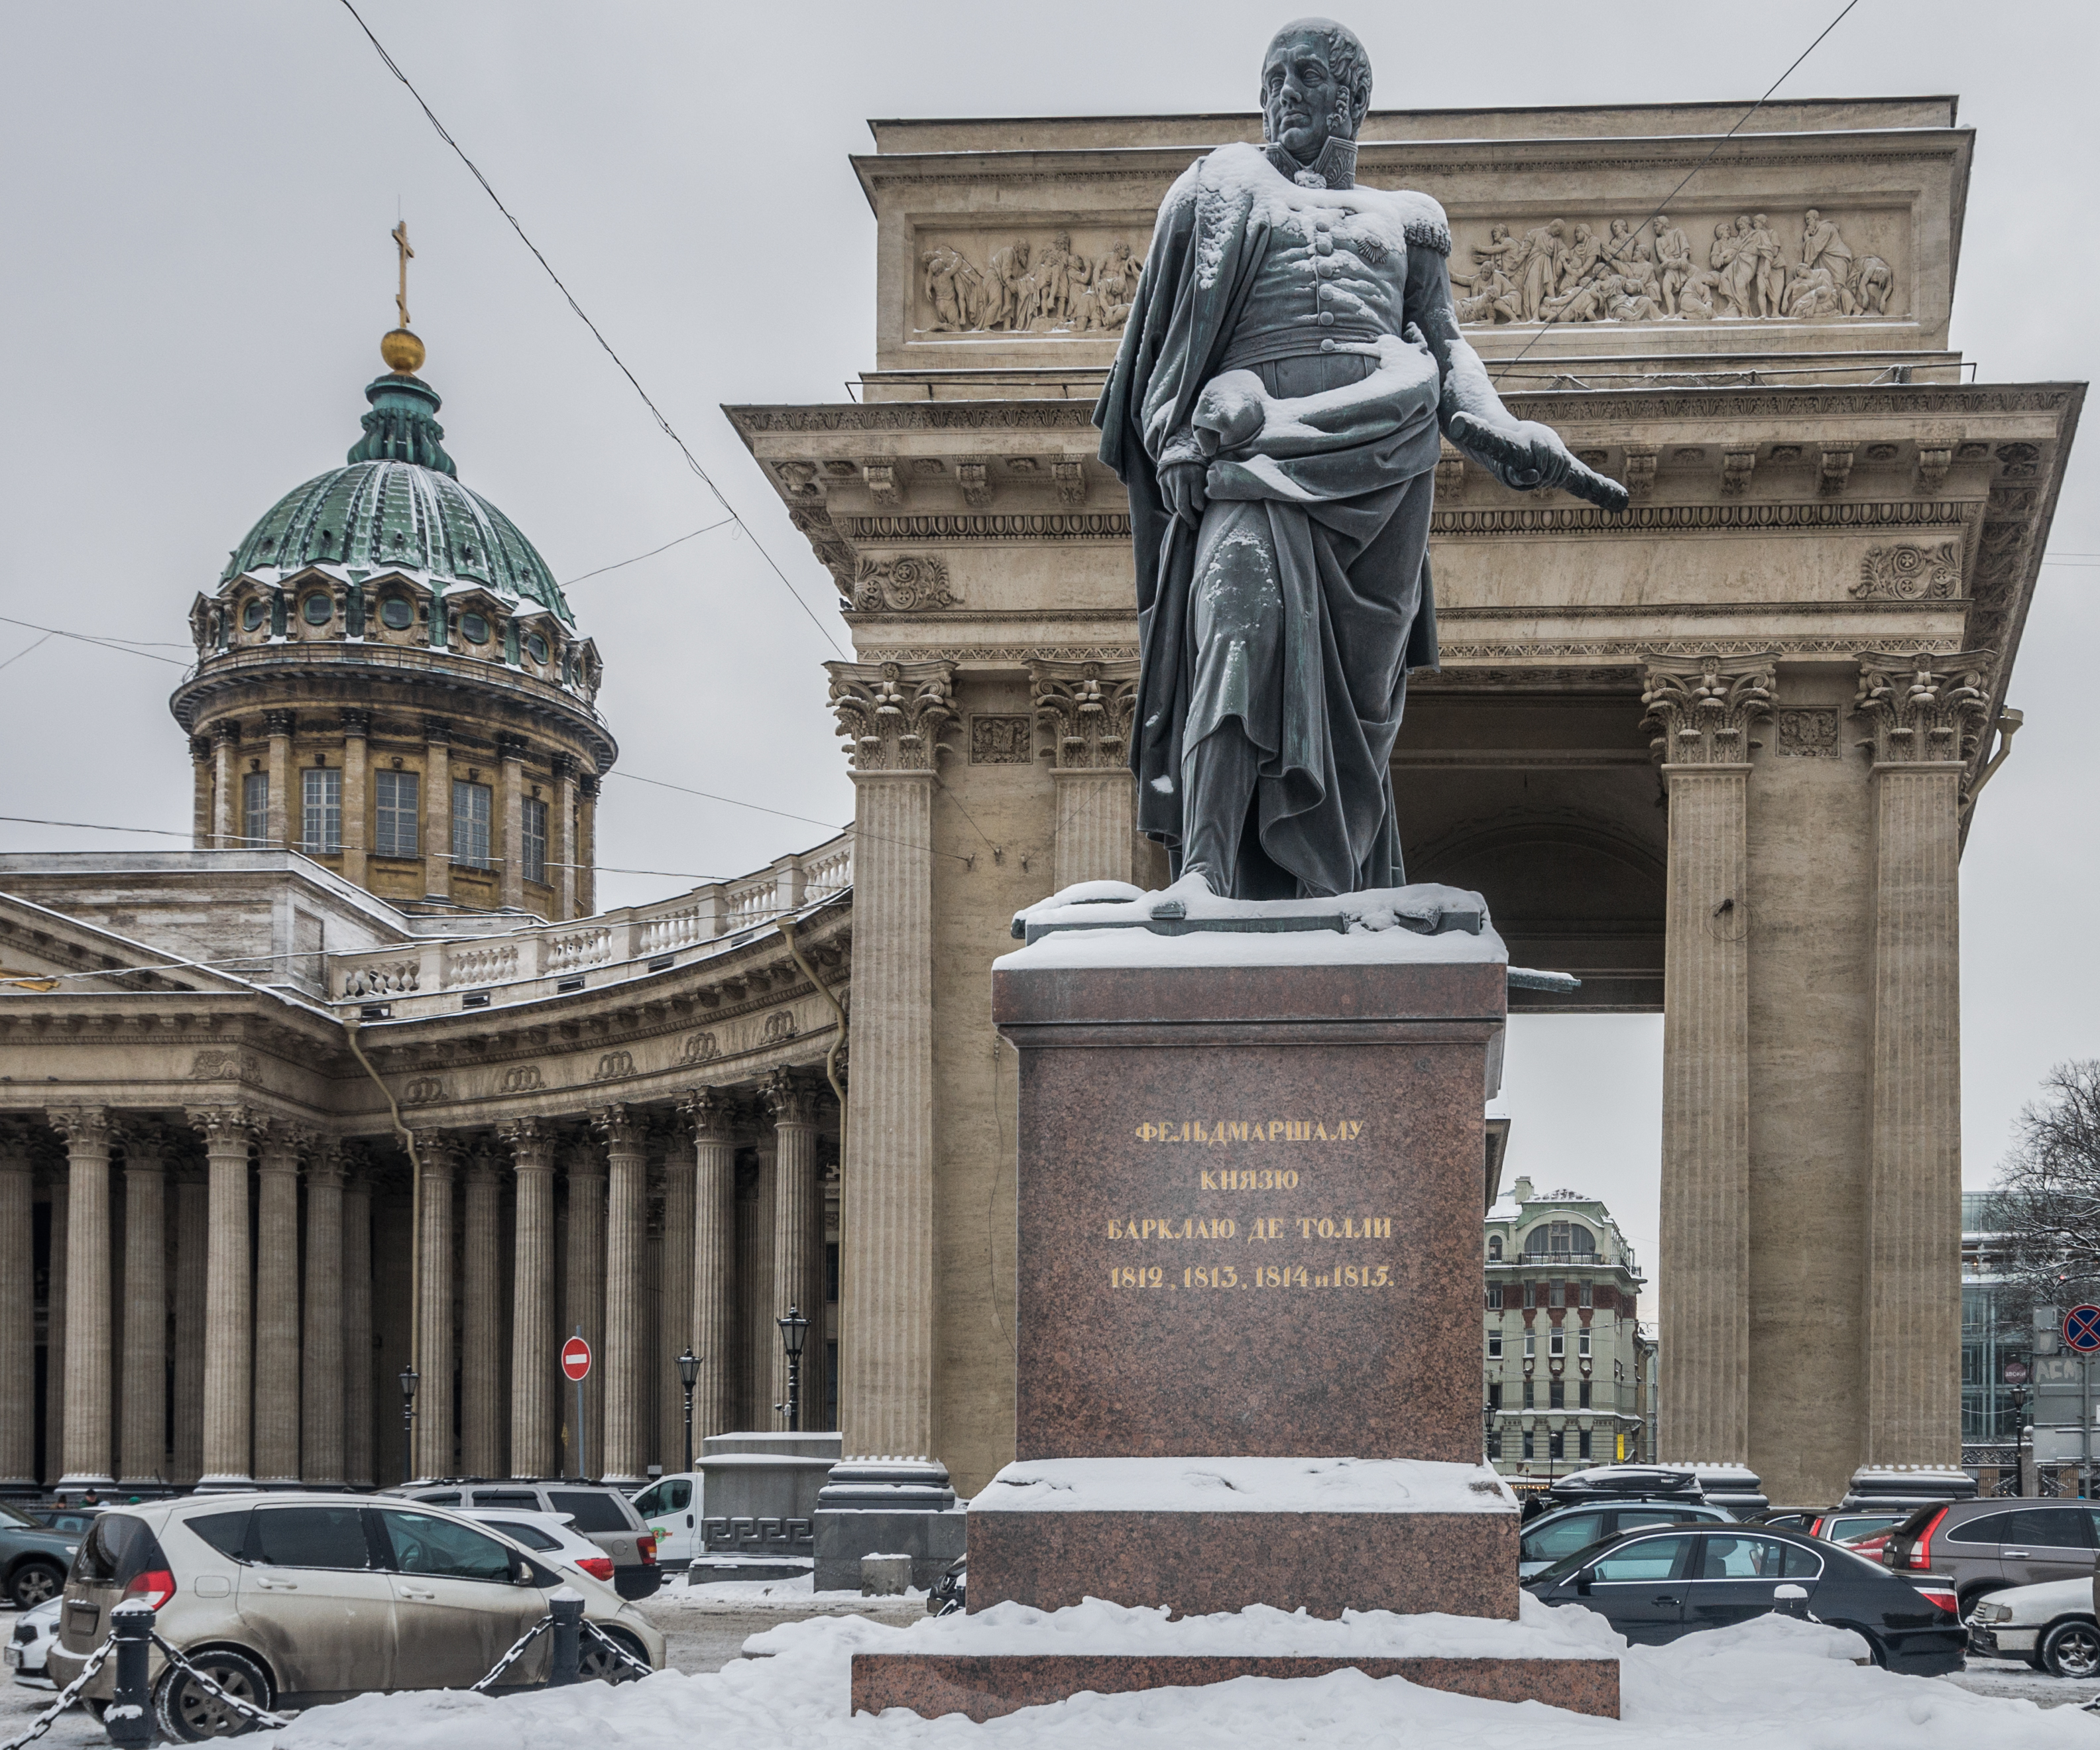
[{"x": 1531, "y": 458}]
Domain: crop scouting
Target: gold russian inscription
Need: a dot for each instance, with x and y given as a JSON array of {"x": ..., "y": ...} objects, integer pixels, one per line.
[{"x": 1214, "y": 1131}]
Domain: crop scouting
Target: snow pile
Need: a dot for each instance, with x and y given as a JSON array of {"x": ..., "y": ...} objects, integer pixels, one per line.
[
  {"x": 1773, "y": 1684},
  {"x": 1383, "y": 926},
  {"x": 1244, "y": 1485}
]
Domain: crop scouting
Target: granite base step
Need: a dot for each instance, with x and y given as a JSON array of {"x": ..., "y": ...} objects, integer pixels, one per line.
[{"x": 985, "y": 1686}]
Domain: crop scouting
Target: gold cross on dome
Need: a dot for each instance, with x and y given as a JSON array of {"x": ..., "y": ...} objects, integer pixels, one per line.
[{"x": 400, "y": 234}]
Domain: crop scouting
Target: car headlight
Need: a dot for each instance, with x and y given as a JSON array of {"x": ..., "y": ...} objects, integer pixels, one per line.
[{"x": 1987, "y": 1611}]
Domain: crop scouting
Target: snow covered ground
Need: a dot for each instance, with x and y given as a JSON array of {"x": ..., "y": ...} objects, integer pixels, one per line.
[{"x": 1773, "y": 1684}]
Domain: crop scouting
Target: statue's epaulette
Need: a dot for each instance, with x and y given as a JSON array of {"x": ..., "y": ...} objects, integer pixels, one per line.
[{"x": 1429, "y": 234}]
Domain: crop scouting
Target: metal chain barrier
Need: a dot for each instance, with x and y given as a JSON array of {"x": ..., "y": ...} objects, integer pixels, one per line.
[
  {"x": 517, "y": 1647},
  {"x": 262, "y": 1717},
  {"x": 66, "y": 1697},
  {"x": 617, "y": 1651}
]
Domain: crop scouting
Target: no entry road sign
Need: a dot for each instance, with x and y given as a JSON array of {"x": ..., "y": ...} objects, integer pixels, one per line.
[
  {"x": 2081, "y": 1329},
  {"x": 576, "y": 1355}
]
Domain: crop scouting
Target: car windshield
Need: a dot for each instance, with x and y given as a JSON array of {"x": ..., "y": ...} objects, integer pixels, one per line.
[
  {"x": 1568, "y": 1564},
  {"x": 14, "y": 1516},
  {"x": 592, "y": 1510}
]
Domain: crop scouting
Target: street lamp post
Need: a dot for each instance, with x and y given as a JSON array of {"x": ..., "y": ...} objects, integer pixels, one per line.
[
  {"x": 409, "y": 1378},
  {"x": 689, "y": 1376},
  {"x": 793, "y": 1328}
]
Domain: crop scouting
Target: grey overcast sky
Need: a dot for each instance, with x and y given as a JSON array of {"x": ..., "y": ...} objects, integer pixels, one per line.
[{"x": 195, "y": 214}]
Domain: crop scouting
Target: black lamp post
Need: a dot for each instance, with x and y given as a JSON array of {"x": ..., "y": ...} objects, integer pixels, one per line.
[
  {"x": 689, "y": 1376},
  {"x": 793, "y": 1328},
  {"x": 410, "y": 1377}
]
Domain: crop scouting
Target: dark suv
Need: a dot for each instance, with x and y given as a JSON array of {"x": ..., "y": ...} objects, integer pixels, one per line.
[
  {"x": 33, "y": 1558},
  {"x": 1983, "y": 1546}
]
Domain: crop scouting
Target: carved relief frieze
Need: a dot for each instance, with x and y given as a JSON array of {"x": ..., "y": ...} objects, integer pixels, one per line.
[
  {"x": 523, "y": 1078},
  {"x": 893, "y": 713},
  {"x": 1729, "y": 514},
  {"x": 1097, "y": 526},
  {"x": 1701, "y": 708},
  {"x": 1086, "y": 706},
  {"x": 699, "y": 1048},
  {"x": 1037, "y": 282},
  {"x": 903, "y": 585},
  {"x": 997, "y": 740},
  {"x": 1747, "y": 267},
  {"x": 222, "y": 1065},
  {"x": 423, "y": 1090},
  {"x": 1810, "y": 734},
  {"x": 1907, "y": 572},
  {"x": 1924, "y": 706},
  {"x": 614, "y": 1066}
]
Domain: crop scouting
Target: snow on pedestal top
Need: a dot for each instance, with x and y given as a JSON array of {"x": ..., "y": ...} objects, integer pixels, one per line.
[{"x": 1244, "y": 1485}]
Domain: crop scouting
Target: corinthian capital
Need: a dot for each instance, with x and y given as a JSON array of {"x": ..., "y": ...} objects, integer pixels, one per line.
[
  {"x": 1086, "y": 708},
  {"x": 893, "y": 713},
  {"x": 623, "y": 1130},
  {"x": 531, "y": 1142},
  {"x": 1923, "y": 707},
  {"x": 791, "y": 1097},
  {"x": 711, "y": 1112},
  {"x": 1701, "y": 708}
]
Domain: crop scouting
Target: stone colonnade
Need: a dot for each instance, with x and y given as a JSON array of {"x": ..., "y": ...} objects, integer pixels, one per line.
[{"x": 226, "y": 1298}]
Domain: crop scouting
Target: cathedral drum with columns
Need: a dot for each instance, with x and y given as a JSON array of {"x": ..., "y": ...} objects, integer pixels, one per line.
[{"x": 1718, "y": 756}]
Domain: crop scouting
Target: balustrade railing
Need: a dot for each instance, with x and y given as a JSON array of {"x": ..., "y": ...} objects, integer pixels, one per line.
[{"x": 609, "y": 940}]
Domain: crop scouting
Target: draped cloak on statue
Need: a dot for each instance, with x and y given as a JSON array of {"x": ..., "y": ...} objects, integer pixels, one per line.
[{"x": 1298, "y": 607}]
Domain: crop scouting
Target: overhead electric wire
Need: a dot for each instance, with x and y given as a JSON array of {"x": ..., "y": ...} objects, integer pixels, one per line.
[
  {"x": 760, "y": 808},
  {"x": 655, "y": 412},
  {"x": 668, "y": 545},
  {"x": 1618, "y": 253},
  {"x": 125, "y": 644},
  {"x": 36, "y": 645}
]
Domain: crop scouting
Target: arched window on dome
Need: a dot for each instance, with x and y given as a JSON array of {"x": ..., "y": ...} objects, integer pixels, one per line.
[{"x": 1560, "y": 1239}]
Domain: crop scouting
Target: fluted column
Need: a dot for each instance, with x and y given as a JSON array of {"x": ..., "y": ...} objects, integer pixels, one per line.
[
  {"x": 86, "y": 1447},
  {"x": 534, "y": 1378},
  {"x": 228, "y": 1332},
  {"x": 192, "y": 1226},
  {"x": 1926, "y": 713},
  {"x": 360, "y": 1431},
  {"x": 226, "y": 827},
  {"x": 585, "y": 1293},
  {"x": 586, "y": 843},
  {"x": 276, "y": 1425},
  {"x": 713, "y": 1116},
  {"x": 143, "y": 1448},
  {"x": 626, "y": 1233},
  {"x": 437, "y": 805},
  {"x": 1702, "y": 713},
  {"x": 1084, "y": 710},
  {"x": 561, "y": 837},
  {"x": 798, "y": 1227},
  {"x": 894, "y": 715},
  {"x": 481, "y": 1329},
  {"x": 284, "y": 807},
  {"x": 761, "y": 1307},
  {"x": 674, "y": 1317},
  {"x": 356, "y": 796},
  {"x": 433, "y": 1303},
  {"x": 17, "y": 1315},
  {"x": 201, "y": 798},
  {"x": 54, "y": 1330},
  {"x": 510, "y": 821},
  {"x": 321, "y": 1383}
]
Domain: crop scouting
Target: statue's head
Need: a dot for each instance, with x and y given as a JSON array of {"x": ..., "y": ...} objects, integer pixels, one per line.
[
  {"x": 1812, "y": 219},
  {"x": 1315, "y": 86}
]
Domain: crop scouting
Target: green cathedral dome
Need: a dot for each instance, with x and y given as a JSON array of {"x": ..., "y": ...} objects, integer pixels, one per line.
[{"x": 397, "y": 505}]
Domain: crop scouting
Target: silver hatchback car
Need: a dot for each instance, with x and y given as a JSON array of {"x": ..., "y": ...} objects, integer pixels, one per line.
[{"x": 292, "y": 1601}]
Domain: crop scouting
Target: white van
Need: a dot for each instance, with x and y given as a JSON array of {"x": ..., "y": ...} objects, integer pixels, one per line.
[{"x": 672, "y": 1505}]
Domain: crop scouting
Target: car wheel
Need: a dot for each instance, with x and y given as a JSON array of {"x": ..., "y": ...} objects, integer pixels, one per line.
[
  {"x": 597, "y": 1664},
  {"x": 1876, "y": 1650},
  {"x": 2072, "y": 1650},
  {"x": 189, "y": 1712},
  {"x": 35, "y": 1583}
]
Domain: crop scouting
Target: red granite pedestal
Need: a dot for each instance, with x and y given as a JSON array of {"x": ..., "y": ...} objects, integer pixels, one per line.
[{"x": 1250, "y": 1202}]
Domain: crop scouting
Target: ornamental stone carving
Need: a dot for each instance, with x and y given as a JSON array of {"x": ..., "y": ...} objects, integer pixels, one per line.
[
  {"x": 712, "y": 1113},
  {"x": 894, "y": 714},
  {"x": 620, "y": 1128},
  {"x": 1038, "y": 284},
  {"x": 1924, "y": 707},
  {"x": 1808, "y": 734},
  {"x": 1907, "y": 572},
  {"x": 699, "y": 1048},
  {"x": 1746, "y": 267},
  {"x": 1085, "y": 708},
  {"x": 1002, "y": 741},
  {"x": 790, "y": 1097},
  {"x": 1701, "y": 708},
  {"x": 902, "y": 585}
]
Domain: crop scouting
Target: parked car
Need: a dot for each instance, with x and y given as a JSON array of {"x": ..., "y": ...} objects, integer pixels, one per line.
[
  {"x": 293, "y": 1601},
  {"x": 1554, "y": 1535},
  {"x": 2051, "y": 1626},
  {"x": 1654, "y": 1586},
  {"x": 34, "y": 1631},
  {"x": 73, "y": 1521},
  {"x": 1852, "y": 1526},
  {"x": 552, "y": 1537},
  {"x": 33, "y": 1558},
  {"x": 1625, "y": 1483},
  {"x": 672, "y": 1505},
  {"x": 1986, "y": 1546},
  {"x": 600, "y": 1512}
]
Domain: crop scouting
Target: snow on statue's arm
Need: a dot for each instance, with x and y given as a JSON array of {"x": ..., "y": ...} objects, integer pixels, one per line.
[{"x": 1521, "y": 453}]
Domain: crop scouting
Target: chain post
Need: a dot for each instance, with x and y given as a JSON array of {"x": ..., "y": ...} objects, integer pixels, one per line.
[
  {"x": 566, "y": 1606},
  {"x": 129, "y": 1720}
]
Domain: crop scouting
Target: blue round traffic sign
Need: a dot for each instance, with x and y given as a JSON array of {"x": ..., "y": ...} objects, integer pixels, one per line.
[{"x": 2081, "y": 1329}]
